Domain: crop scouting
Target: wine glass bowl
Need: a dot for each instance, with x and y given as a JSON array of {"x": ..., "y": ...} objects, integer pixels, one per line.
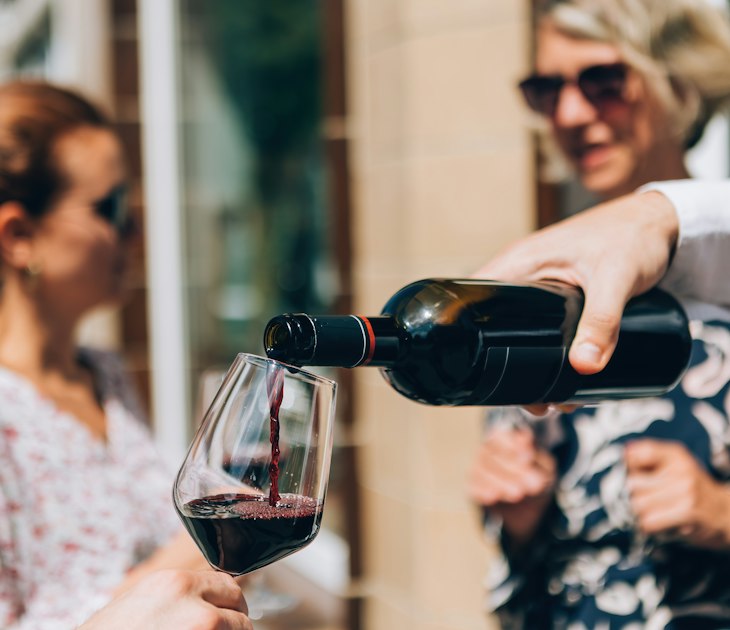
[{"x": 252, "y": 487}]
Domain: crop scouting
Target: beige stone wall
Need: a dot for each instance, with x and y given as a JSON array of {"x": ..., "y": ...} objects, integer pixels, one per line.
[{"x": 442, "y": 177}]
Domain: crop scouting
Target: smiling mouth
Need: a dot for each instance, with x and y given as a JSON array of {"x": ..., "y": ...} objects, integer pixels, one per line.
[{"x": 592, "y": 156}]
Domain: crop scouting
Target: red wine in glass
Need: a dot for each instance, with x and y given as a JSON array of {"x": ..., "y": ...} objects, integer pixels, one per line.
[{"x": 239, "y": 533}]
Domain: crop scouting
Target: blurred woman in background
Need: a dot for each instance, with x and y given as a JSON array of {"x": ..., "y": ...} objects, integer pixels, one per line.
[
  {"x": 619, "y": 516},
  {"x": 85, "y": 506}
]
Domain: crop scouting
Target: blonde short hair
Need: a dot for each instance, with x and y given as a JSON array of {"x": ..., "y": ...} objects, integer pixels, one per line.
[{"x": 681, "y": 47}]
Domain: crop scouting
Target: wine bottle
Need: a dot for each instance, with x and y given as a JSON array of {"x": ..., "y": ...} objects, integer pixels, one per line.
[{"x": 483, "y": 342}]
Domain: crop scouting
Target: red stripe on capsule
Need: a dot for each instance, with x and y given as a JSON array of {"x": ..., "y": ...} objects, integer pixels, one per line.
[{"x": 371, "y": 339}]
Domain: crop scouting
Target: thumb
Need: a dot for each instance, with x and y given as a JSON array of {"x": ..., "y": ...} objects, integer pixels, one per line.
[{"x": 597, "y": 332}]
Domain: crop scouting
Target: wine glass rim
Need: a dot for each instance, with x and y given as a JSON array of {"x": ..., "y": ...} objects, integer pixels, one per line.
[{"x": 293, "y": 370}]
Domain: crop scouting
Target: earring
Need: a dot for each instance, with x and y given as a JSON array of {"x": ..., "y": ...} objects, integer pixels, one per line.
[{"x": 32, "y": 272}]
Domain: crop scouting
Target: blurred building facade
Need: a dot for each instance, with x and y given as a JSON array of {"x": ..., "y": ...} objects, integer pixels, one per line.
[
  {"x": 442, "y": 176},
  {"x": 394, "y": 149}
]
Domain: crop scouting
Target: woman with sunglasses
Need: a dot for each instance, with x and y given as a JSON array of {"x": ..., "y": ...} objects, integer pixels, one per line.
[
  {"x": 85, "y": 506},
  {"x": 619, "y": 516}
]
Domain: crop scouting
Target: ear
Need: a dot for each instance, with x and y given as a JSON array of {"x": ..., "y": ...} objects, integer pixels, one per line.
[{"x": 16, "y": 235}]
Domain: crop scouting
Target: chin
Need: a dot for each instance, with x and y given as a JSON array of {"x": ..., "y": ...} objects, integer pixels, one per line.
[
  {"x": 613, "y": 177},
  {"x": 605, "y": 185}
]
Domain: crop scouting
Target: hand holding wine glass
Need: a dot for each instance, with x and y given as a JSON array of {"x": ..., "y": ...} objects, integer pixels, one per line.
[
  {"x": 252, "y": 487},
  {"x": 176, "y": 600}
]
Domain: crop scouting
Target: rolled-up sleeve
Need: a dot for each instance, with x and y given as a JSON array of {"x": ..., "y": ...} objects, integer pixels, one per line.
[{"x": 699, "y": 268}]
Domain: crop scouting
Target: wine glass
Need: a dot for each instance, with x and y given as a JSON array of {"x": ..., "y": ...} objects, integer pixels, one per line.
[
  {"x": 252, "y": 487},
  {"x": 264, "y": 600}
]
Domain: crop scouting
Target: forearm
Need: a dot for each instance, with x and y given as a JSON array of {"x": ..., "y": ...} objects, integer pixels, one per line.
[
  {"x": 521, "y": 536},
  {"x": 702, "y": 256}
]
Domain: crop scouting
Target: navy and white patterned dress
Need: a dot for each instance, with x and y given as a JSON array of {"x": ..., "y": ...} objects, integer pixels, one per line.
[{"x": 588, "y": 566}]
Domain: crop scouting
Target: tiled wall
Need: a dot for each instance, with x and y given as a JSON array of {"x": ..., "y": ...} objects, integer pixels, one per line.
[{"x": 442, "y": 177}]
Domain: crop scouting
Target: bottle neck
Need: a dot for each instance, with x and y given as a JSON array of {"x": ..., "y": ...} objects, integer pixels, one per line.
[
  {"x": 333, "y": 340},
  {"x": 387, "y": 341}
]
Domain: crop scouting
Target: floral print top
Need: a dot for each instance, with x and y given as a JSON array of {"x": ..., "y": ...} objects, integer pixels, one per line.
[
  {"x": 589, "y": 567},
  {"x": 76, "y": 513}
]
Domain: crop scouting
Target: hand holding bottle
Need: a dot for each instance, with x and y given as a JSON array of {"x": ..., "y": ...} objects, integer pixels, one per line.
[
  {"x": 513, "y": 479},
  {"x": 612, "y": 252}
]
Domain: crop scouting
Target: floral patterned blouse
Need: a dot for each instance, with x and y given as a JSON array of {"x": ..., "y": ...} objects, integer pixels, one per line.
[
  {"x": 589, "y": 567},
  {"x": 76, "y": 513}
]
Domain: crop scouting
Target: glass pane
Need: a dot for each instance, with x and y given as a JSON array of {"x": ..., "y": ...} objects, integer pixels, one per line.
[{"x": 253, "y": 170}]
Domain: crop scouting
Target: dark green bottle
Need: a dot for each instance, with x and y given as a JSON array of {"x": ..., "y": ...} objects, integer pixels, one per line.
[{"x": 482, "y": 342}]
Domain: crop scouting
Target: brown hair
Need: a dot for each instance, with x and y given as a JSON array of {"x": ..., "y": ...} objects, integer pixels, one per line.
[{"x": 33, "y": 116}]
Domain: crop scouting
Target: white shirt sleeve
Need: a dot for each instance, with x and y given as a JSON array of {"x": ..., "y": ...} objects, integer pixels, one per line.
[{"x": 700, "y": 269}]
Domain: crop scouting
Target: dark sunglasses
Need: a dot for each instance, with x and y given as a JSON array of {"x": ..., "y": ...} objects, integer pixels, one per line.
[
  {"x": 114, "y": 208},
  {"x": 601, "y": 85}
]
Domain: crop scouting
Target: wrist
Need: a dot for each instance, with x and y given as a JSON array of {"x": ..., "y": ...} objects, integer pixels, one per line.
[
  {"x": 710, "y": 528},
  {"x": 662, "y": 216},
  {"x": 521, "y": 522}
]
